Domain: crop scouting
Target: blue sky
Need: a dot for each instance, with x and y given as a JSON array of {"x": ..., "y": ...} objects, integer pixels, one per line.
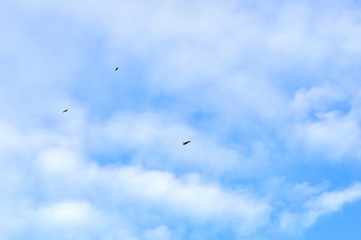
[{"x": 268, "y": 92}]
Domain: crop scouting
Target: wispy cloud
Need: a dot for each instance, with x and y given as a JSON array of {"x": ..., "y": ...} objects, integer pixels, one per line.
[{"x": 318, "y": 206}]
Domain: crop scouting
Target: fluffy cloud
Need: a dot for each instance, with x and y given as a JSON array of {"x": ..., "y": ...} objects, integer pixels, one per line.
[
  {"x": 60, "y": 174},
  {"x": 317, "y": 100},
  {"x": 186, "y": 196},
  {"x": 68, "y": 214},
  {"x": 326, "y": 121},
  {"x": 334, "y": 135}
]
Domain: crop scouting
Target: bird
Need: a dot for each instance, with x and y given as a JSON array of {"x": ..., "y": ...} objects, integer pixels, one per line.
[
  {"x": 65, "y": 110},
  {"x": 116, "y": 69},
  {"x": 186, "y": 142}
]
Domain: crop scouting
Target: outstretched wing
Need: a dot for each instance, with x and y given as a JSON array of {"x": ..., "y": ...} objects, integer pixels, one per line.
[{"x": 186, "y": 142}]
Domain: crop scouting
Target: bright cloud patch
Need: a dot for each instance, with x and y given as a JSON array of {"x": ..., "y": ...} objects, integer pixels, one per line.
[{"x": 67, "y": 214}]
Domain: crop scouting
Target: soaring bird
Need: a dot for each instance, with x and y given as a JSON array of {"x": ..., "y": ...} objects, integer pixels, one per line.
[
  {"x": 65, "y": 110},
  {"x": 116, "y": 69},
  {"x": 186, "y": 142}
]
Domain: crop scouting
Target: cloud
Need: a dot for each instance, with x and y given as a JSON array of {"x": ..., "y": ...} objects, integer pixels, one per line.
[
  {"x": 317, "y": 99},
  {"x": 60, "y": 170},
  {"x": 241, "y": 79},
  {"x": 68, "y": 214},
  {"x": 191, "y": 44},
  {"x": 58, "y": 161},
  {"x": 155, "y": 141},
  {"x": 325, "y": 121},
  {"x": 60, "y": 173},
  {"x": 318, "y": 206},
  {"x": 66, "y": 219},
  {"x": 333, "y": 135},
  {"x": 186, "y": 196}
]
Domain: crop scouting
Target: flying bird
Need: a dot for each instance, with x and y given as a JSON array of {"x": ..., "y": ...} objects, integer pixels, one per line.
[
  {"x": 116, "y": 69},
  {"x": 65, "y": 110},
  {"x": 186, "y": 142}
]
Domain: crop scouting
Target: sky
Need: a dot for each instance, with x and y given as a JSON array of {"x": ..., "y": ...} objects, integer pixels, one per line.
[{"x": 268, "y": 92}]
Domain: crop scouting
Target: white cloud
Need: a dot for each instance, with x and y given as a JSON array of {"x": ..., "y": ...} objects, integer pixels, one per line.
[
  {"x": 58, "y": 161},
  {"x": 9, "y": 138},
  {"x": 333, "y": 135},
  {"x": 200, "y": 200},
  {"x": 68, "y": 214},
  {"x": 318, "y": 206},
  {"x": 187, "y": 197},
  {"x": 316, "y": 99},
  {"x": 60, "y": 171},
  {"x": 187, "y": 42},
  {"x": 304, "y": 189},
  {"x": 155, "y": 140},
  {"x": 65, "y": 219},
  {"x": 233, "y": 60}
]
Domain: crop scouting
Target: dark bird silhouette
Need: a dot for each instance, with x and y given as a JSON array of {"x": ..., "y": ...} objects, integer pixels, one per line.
[
  {"x": 116, "y": 69},
  {"x": 65, "y": 110},
  {"x": 186, "y": 142}
]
